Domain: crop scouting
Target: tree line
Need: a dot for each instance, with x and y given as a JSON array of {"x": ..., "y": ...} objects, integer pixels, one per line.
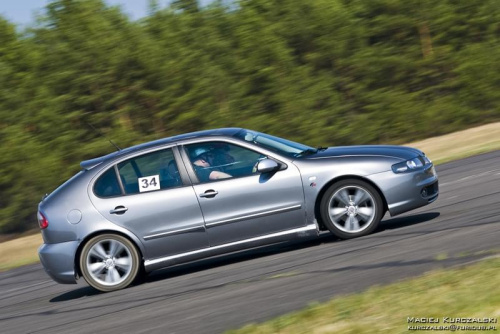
[{"x": 323, "y": 72}]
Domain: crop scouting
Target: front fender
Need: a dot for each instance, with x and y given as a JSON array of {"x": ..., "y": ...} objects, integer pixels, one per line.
[{"x": 318, "y": 175}]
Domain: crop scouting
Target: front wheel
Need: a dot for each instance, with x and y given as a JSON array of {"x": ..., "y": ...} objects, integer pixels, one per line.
[
  {"x": 351, "y": 208},
  {"x": 109, "y": 262}
]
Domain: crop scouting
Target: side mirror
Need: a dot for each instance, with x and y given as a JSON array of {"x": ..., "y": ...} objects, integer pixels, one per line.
[{"x": 267, "y": 166}]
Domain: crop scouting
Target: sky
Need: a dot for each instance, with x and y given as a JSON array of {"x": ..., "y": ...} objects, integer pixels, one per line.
[{"x": 21, "y": 12}]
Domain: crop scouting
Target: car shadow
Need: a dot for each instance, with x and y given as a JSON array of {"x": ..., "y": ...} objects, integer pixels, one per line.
[
  {"x": 404, "y": 221},
  {"x": 281, "y": 248},
  {"x": 236, "y": 257},
  {"x": 86, "y": 291},
  {"x": 241, "y": 256}
]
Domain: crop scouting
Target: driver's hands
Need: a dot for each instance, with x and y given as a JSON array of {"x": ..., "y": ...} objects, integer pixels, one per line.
[{"x": 254, "y": 169}]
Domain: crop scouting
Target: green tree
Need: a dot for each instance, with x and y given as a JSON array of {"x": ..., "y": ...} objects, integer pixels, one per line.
[{"x": 325, "y": 72}]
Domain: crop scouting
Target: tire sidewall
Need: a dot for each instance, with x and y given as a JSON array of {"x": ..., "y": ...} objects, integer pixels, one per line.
[
  {"x": 325, "y": 200},
  {"x": 133, "y": 253}
]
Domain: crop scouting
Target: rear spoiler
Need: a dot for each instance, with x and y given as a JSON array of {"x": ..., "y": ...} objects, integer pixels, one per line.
[{"x": 89, "y": 164}]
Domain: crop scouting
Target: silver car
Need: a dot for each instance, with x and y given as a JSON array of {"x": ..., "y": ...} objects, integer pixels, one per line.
[{"x": 187, "y": 197}]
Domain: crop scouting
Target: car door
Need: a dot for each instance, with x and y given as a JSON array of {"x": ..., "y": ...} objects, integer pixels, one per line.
[
  {"x": 154, "y": 200},
  {"x": 244, "y": 203}
]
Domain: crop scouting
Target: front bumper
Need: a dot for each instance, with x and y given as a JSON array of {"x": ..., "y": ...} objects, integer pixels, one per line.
[
  {"x": 58, "y": 261},
  {"x": 407, "y": 191}
]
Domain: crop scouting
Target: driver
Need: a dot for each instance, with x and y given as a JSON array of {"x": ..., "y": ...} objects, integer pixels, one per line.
[{"x": 202, "y": 164}]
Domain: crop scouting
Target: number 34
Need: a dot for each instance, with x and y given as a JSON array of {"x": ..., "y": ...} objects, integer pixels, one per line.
[{"x": 149, "y": 183}]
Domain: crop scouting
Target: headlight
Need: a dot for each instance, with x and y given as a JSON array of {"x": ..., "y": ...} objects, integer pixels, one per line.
[{"x": 409, "y": 165}]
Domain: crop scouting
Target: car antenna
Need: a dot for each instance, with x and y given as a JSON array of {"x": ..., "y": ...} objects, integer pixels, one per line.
[{"x": 101, "y": 134}]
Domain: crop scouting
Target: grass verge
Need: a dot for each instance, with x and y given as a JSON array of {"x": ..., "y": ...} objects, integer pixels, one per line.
[
  {"x": 19, "y": 252},
  {"x": 461, "y": 144},
  {"x": 471, "y": 291},
  {"x": 453, "y": 146}
]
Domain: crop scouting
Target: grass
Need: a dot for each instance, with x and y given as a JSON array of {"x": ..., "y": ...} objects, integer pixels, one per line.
[
  {"x": 18, "y": 252},
  {"x": 461, "y": 144},
  {"x": 471, "y": 291},
  {"x": 453, "y": 146}
]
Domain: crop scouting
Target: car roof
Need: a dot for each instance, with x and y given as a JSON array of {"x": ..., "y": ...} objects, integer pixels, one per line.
[{"x": 225, "y": 132}]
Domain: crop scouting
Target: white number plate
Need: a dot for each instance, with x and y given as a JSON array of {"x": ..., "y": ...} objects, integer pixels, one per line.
[{"x": 149, "y": 183}]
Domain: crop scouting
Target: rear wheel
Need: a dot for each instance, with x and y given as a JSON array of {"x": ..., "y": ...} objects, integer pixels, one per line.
[
  {"x": 351, "y": 208},
  {"x": 109, "y": 262}
]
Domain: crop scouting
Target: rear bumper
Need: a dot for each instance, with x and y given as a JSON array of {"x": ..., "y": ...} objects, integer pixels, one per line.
[
  {"x": 407, "y": 191},
  {"x": 58, "y": 261}
]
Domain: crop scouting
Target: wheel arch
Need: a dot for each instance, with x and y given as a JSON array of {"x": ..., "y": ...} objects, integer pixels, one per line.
[
  {"x": 96, "y": 233},
  {"x": 327, "y": 185}
]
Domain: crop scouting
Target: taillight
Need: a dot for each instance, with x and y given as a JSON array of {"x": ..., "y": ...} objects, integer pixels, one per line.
[{"x": 42, "y": 221}]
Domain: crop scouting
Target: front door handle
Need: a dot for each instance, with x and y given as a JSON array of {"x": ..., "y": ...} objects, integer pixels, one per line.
[
  {"x": 209, "y": 193},
  {"x": 119, "y": 210}
]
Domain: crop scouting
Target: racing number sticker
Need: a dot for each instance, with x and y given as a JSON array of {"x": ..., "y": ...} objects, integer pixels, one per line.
[{"x": 149, "y": 183}]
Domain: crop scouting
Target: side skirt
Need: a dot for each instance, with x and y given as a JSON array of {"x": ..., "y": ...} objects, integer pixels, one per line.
[{"x": 306, "y": 231}]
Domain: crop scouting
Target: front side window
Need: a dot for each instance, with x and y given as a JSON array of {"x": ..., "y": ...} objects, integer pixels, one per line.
[
  {"x": 149, "y": 172},
  {"x": 107, "y": 185},
  {"x": 219, "y": 160}
]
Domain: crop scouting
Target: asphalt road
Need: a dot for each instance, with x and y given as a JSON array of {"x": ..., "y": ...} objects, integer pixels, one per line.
[{"x": 463, "y": 225}]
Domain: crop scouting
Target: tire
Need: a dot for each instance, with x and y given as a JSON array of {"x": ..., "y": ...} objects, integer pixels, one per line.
[
  {"x": 351, "y": 208},
  {"x": 109, "y": 262}
]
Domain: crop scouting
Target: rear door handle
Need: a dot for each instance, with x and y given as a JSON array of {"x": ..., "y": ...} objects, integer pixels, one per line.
[
  {"x": 209, "y": 193},
  {"x": 119, "y": 210}
]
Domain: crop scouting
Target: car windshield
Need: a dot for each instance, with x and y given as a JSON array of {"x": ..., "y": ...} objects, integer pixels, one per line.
[{"x": 275, "y": 144}]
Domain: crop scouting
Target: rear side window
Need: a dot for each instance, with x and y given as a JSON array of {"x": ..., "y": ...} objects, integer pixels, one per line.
[
  {"x": 107, "y": 184},
  {"x": 149, "y": 172}
]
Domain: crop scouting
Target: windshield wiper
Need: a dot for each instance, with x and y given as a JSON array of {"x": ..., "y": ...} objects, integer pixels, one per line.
[
  {"x": 321, "y": 148},
  {"x": 309, "y": 151}
]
